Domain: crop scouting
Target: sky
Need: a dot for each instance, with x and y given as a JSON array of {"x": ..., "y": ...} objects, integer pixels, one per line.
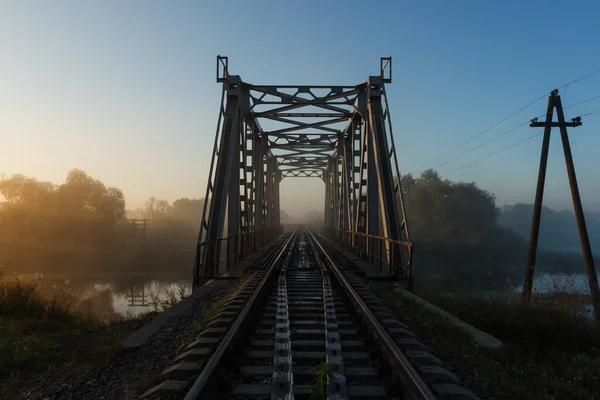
[{"x": 126, "y": 91}]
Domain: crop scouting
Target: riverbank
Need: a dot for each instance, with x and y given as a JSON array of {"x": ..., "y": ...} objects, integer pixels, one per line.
[
  {"x": 53, "y": 346},
  {"x": 53, "y": 335},
  {"x": 547, "y": 353}
]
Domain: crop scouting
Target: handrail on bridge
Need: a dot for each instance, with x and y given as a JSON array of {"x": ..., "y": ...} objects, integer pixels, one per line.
[
  {"x": 221, "y": 254},
  {"x": 393, "y": 257}
]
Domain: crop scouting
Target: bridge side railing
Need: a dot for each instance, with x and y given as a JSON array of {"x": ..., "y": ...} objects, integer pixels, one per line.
[
  {"x": 392, "y": 257},
  {"x": 224, "y": 253}
]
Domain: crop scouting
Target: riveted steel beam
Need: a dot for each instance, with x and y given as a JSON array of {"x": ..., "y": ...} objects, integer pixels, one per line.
[{"x": 341, "y": 134}]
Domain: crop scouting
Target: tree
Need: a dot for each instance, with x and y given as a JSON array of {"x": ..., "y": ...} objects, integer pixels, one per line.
[
  {"x": 188, "y": 210},
  {"x": 43, "y": 224},
  {"x": 23, "y": 191},
  {"x": 80, "y": 197},
  {"x": 83, "y": 197},
  {"x": 156, "y": 209},
  {"x": 450, "y": 212}
]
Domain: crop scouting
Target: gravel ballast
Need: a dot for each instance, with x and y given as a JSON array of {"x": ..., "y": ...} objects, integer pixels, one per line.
[{"x": 132, "y": 371}]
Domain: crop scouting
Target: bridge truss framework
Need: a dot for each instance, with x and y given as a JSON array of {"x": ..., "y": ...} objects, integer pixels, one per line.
[{"x": 341, "y": 134}]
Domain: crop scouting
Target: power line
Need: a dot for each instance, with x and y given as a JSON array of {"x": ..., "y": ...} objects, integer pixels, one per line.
[
  {"x": 580, "y": 79},
  {"x": 511, "y": 115},
  {"x": 512, "y": 130},
  {"x": 590, "y": 113},
  {"x": 483, "y": 144},
  {"x": 582, "y": 102},
  {"x": 507, "y": 132},
  {"x": 482, "y": 132},
  {"x": 494, "y": 153}
]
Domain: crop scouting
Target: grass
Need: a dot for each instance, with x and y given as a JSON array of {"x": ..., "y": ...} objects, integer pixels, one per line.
[
  {"x": 134, "y": 390},
  {"x": 171, "y": 297},
  {"x": 322, "y": 373},
  {"x": 45, "y": 334},
  {"x": 49, "y": 332},
  {"x": 549, "y": 353},
  {"x": 212, "y": 310}
]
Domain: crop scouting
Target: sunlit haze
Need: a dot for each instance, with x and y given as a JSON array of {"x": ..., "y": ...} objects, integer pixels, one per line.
[{"x": 126, "y": 91}]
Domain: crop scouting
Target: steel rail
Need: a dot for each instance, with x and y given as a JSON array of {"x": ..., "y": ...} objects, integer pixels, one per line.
[
  {"x": 201, "y": 384},
  {"x": 409, "y": 377}
]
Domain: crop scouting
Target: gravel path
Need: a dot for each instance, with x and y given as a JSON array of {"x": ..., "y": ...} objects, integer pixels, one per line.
[{"x": 131, "y": 373}]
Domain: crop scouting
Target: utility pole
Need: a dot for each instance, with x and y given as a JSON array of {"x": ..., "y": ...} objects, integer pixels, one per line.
[{"x": 554, "y": 102}]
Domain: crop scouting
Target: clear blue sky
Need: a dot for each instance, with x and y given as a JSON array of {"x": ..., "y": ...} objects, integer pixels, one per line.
[{"x": 126, "y": 90}]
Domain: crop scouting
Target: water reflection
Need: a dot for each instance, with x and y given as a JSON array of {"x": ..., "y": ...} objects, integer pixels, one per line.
[
  {"x": 575, "y": 285},
  {"x": 132, "y": 295},
  {"x": 120, "y": 296},
  {"x": 560, "y": 282},
  {"x": 140, "y": 299}
]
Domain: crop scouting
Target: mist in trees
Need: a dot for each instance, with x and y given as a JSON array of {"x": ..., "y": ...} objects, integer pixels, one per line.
[
  {"x": 81, "y": 227},
  {"x": 155, "y": 210},
  {"x": 558, "y": 229},
  {"x": 449, "y": 212},
  {"x": 79, "y": 198},
  {"x": 460, "y": 234}
]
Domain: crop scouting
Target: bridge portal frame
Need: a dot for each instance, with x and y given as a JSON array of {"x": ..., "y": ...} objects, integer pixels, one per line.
[{"x": 341, "y": 134}]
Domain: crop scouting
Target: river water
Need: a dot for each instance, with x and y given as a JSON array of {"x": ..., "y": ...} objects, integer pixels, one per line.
[
  {"x": 140, "y": 299},
  {"x": 560, "y": 282},
  {"x": 129, "y": 296},
  {"x": 113, "y": 296}
]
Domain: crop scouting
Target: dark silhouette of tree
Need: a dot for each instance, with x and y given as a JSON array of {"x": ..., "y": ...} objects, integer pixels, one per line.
[{"x": 450, "y": 212}]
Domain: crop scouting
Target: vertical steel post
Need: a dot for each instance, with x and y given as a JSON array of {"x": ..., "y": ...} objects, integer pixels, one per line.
[
  {"x": 327, "y": 206},
  {"x": 276, "y": 198},
  {"x": 347, "y": 182},
  {"x": 270, "y": 192},
  {"x": 259, "y": 150},
  {"x": 335, "y": 191},
  {"x": 360, "y": 223},
  {"x": 372, "y": 187}
]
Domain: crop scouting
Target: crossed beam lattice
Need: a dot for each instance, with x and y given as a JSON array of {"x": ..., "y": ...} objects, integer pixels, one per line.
[{"x": 341, "y": 134}]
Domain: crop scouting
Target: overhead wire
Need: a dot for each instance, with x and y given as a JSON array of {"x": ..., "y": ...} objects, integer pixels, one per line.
[
  {"x": 590, "y": 113},
  {"x": 482, "y": 132},
  {"x": 517, "y": 143},
  {"x": 582, "y": 102},
  {"x": 506, "y": 118},
  {"x": 512, "y": 130},
  {"x": 494, "y": 153},
  {"x": 482, "y": 144},
  {"x": 580, "y": 79}
]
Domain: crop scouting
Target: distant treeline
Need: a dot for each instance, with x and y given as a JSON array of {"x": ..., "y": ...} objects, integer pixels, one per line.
[
  {"x": 461, "y": 238},
  {"x": 558, "y": 229},
  {"x": 82, "y": 226}
]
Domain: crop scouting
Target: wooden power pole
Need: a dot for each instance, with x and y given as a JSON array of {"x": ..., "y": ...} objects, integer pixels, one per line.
[{"x": 554, "y": 103}]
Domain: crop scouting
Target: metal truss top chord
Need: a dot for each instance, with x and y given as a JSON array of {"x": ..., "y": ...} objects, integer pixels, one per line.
[{"x": 339, "y": 133}]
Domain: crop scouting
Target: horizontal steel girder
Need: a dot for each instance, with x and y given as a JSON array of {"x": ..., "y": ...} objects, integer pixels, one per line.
[{"x": 302, "y": 174}]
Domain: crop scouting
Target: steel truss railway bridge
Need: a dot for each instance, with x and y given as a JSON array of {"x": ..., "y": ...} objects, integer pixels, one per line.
[
  {"x": 340, "y": 134},
  {"x": 303, "y": 312}
]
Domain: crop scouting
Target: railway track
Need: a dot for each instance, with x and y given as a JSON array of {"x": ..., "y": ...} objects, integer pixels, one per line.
[{"x": 304, "y": 326}]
